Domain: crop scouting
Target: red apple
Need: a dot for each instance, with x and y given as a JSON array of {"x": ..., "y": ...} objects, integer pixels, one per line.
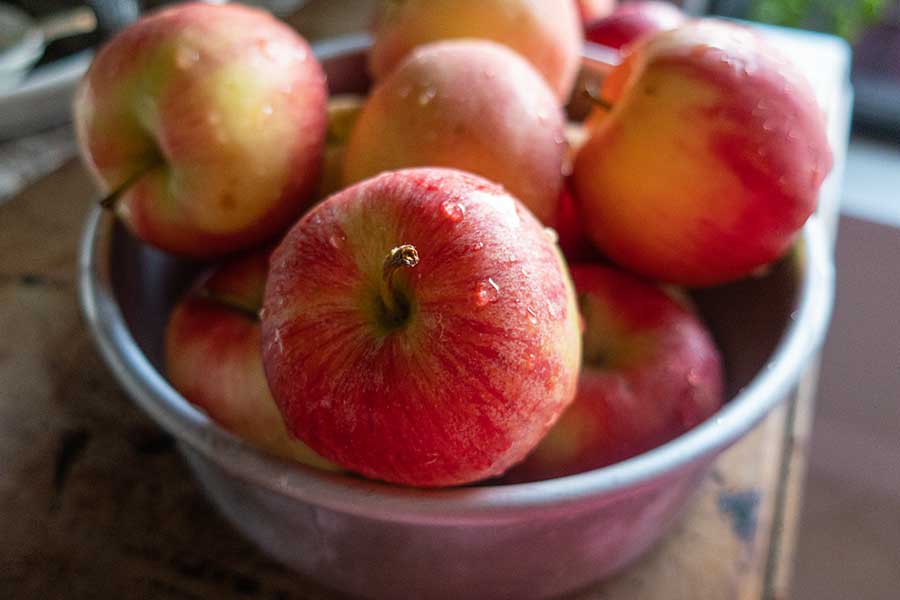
[
  {"x": 547, "y": 33},
  {"x": 632, "y": 20},
  {"x": 465, "y": 104},
  {"x": 213, "y": 358},
  {"x": 420, "y": 328},
  {"x": 205, "y": 125},
  {"x": 710, "y": 160},
  {"x": 650, "y": 372},
  {"x": 592, "y": 10}
]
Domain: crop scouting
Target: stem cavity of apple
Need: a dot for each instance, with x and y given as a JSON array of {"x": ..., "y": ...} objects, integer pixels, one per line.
[
  {"x": 110, "y": 200},
  {"x": 597, "y": 101},
  {"x": 396, "y": 307}
]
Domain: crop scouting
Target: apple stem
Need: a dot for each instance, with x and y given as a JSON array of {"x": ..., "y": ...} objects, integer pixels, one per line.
[
  {"x": 597, "y": 101},
  {"x": 110, "y": 200},
  {"x": 403, "y": 256}
]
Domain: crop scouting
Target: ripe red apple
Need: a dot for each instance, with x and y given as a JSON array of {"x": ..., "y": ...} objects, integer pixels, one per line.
[
  {"x": 547, "y": 33},
  {"x": 710, "y": 160},
  {"x": 465, "y": 104},
  {"x": 592, "y": 10},
  {"x": 420, "y": 328},
  {"x": 213, "y": 358},
  {"x": 650, "y": 372},
  {"x": 633, "y": 20},
  {"x": 205, "y": 125}
]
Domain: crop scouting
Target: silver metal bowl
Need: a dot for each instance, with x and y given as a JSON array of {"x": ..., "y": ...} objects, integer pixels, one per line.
[{"x": 520, "y": 541}]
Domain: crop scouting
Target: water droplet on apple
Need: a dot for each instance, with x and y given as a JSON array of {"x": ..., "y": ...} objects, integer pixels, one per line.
[
  {"x": 427, "y": 95},
  {"x": 769, "y": 125},
  {"x": 553, "y": 310},
  {"x": 477, "y": 246},
  {"x": 542, "y": 116},
  {"x": 262, "y": 313},
  {"x": 525, "y": 272},
  {"x": 186, "y": 57},
  {"x": 551, "y": 233},
  {"x": 453, "y": 210},
  {"x": 336, "y": 240},
  {"x": 693, "y": 377},
  {"x": 531, "y": 316},
  {"x": 267, "y": 109},
  {"x": 487, "y": 292},
  {"x": 793, "y": 134}
]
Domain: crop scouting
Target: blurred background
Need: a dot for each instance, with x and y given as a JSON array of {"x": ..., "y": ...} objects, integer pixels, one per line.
[{"x": 849, "y": 540}]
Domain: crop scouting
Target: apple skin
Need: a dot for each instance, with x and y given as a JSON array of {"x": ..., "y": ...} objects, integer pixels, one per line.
[
  {"x": 213, "y": 358},
  {"x": 467, "y": 380},
  {"x": 343, "y": 110},
  {"x": 215, "y": 115},
  {"x": 592, "y": 10},
  {"x": 709, "y": 162},
  {"x": 547, "y": 33},
  {"x": 465, "y": 104},
  {"x": 651, "y": 372},
  {"x": 632, "y": 20}
]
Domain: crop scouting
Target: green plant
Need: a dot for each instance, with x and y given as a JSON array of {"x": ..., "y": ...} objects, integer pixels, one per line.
[{"x": 845, "y": 18}]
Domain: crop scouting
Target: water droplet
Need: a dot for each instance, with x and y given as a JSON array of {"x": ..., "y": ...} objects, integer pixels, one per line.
[
  {"x": 793, "y": 134},
  {"x": 487, "y": 292},
  {"x": 553, "y": 310},
  {"x": 336, "y": 240},
  {"x": 477, "y": 246},
  {"x": 427, "y": 95},
  {"x": 267, "y": 109},
  {"x": 453, "y": 210},
  {"x": 551, "y": 233},
  {"x": 794, "y": 316},
  {"x": 525, "y": 272},
  {"x": 262, "y": 313},
  {"x": 531, "y": 316},
  {"x": 770, "y": 125},
  {"x": 542, "y": 116},
  {"x": 693, "y": 377},
  {"x": 185, "y": 57}
]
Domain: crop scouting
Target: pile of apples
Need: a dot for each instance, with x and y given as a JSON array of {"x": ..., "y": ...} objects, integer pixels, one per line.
[{"x": 390, "y": 297}]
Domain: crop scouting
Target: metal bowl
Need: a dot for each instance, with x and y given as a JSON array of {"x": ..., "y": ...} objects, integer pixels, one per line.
[{"x": 520, "y": 541}]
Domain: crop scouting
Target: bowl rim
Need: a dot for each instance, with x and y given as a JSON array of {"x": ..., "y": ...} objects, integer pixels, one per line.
[{"x": 471, "y": 505}]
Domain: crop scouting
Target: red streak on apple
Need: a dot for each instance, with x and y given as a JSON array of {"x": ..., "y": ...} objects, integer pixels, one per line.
[{"x": 465, "y": 378}]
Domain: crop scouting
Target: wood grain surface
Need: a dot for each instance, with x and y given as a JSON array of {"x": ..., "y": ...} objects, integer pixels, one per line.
[{"x": 95, "y": 502}]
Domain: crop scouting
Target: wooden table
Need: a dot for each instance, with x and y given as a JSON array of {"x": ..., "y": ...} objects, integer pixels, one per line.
[{"x": 96, "y": 503}]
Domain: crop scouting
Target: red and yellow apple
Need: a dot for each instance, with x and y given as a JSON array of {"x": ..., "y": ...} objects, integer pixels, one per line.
[
  {"x": 205, "y": 125},
  {"x": 709, "y": 161},
  {"x": 650, "y": 372},
  {"x": 465, "y": 104},
  {"x": 631, "y": 21},
  {"x": 420, "y": 328},
  {"x": 214, "y": 359},
  {"x": 547, "y": 33}
]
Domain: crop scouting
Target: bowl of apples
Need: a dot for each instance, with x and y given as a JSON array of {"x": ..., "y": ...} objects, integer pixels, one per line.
[{"x": 418, "y": 331}]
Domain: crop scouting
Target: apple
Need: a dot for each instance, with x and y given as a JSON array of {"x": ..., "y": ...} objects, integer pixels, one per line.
[
  {"x": 547, "y": 33},
  {"x": 632, "y": 20},
  {"x": 709, "y": 161},
  {"x": 213, "y": 357},
  {"x": 343, "y": 110},
  {"x": 650, "y": 372},
  {"x": 465, "y": 104},
  {"x": 420, "y": 328},
  {"x": 205, "y": 126},
  {"x": 592, "y": 10}
]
